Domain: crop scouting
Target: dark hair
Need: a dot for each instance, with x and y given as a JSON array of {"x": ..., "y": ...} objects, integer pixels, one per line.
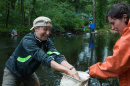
[
  {"x": 37, "y": 28},
  {"x": 117, "y": 11}
]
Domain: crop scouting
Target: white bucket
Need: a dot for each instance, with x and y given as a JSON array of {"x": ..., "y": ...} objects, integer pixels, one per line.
[{"x": 70, "y": 81}]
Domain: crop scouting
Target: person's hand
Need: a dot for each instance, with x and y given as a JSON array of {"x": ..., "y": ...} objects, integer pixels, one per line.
[
  {"x": 87, "y": 71},
  {"x": 73, "y": 73}
]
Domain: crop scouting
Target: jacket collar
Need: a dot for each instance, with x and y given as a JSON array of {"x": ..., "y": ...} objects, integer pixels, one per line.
[
  {"x": 128, "y": 23},
  {"x": 36, "y": 37}
]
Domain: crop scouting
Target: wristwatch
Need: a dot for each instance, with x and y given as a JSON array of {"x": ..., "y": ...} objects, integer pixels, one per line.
[{"x": 71, "y": 68}]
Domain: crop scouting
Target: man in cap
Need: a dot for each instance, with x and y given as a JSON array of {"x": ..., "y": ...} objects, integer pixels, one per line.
[{"x": 34, "y": 49}]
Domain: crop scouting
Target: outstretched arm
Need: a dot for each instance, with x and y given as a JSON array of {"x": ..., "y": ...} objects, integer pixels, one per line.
[{"x": 64, "y": 67}]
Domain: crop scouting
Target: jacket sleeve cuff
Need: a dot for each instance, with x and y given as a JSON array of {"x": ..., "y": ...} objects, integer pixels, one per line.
[
  {"x": 48, "y": 62},
  {"x": 59, "y": 58}
]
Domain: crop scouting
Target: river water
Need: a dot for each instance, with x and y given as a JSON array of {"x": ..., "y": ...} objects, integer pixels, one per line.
[{"x": 81, "y": 51}]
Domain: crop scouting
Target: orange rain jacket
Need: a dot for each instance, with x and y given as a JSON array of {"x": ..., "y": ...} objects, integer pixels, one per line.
[{"x": 117, "y": 65}]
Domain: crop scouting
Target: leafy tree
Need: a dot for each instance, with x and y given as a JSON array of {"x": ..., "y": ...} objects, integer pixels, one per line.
[
  {"x": 21, "y": 13},
  {"x": 63, "y": 18},
  {"x": 100, "y": 13}
]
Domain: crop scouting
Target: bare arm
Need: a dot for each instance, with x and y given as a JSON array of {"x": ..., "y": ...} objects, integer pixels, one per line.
[
  {"x": 64, "y": 67},
  {"x": 59, "y": 67}
]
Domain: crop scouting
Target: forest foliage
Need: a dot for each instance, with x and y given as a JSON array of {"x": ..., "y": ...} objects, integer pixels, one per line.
[{"x": 21, "y": 13}]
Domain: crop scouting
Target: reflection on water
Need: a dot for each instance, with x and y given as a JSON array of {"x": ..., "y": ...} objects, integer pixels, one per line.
[
  {"x": 81, "y": 51},
  {"x": 14, "y": 38}
]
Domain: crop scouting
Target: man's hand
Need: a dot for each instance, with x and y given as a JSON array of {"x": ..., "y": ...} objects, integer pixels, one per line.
[{"x": 73, "y": 73}]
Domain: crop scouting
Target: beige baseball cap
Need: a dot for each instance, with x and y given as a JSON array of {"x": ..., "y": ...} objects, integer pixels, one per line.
[{"x": 41, "y": 21}]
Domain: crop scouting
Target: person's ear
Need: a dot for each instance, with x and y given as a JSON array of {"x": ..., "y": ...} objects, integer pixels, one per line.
[
  {"x": 125, "y": 17},
  {"x": 35, "y": 29}
]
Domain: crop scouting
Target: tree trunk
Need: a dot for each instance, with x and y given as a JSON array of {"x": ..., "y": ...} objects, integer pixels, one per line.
[
  {"x": 44, "y": 0},
  {"x": 94, "y": 10},
  {"x": 29, "y": 16},
  {"x": 100, "y": 13},
  {"x": 76, "y": 5},
  {"x": 33, "y": 12},
  {"x": 7, "y": 13},
  {"x": 23, "y": 14},
  {"x": 18, "y": 4}
]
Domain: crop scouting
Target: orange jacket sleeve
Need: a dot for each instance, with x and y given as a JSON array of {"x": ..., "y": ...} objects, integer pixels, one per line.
[{"x": 116, "y": 64}]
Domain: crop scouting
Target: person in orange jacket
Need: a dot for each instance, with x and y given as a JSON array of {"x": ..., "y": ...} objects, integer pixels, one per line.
[{"x": 117, "y": 65}]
